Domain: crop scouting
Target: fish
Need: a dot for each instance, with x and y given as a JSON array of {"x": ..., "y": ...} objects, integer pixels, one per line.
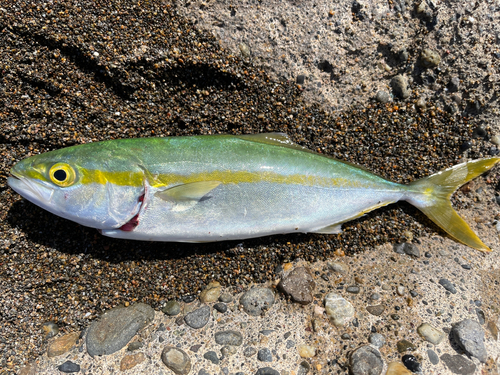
[{"x": 225, "y": 187}]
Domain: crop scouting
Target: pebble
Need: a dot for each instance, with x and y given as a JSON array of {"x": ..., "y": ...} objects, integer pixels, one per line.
[
  {"x": 62, "y": 344},
  {"x": 382, "y": 97},
  {"x": 212, "y": 357},
  {"x": 69, "y": 367},
  {"x": 353, "y": 289},
  {"x": 405, "y": 346},
  {"x": 338, "y": 310},
  {"x": 492, "y": 327},
  {"x": 429, "y": 58},
  {"x": 400, "y": 290},
  {"x": 135, "y": 346},
  {"x": 375, "y": 297},
  {"x": 298, "y": 285},
  {"x": 306, "y": 351},
  {"x": 433, "y": 357},
  {"x": 366, "y": 360},
  {"x": 172, "y": 308},
  {"x": 264, "y": 355},
  {"x": 176, "y": 360},
  {"x": 267, "y": 371},
  {"x": 407, "y": 248},
  {"x": 211, "y": 293},
  {"x": 229, "y": 350},
  {"x": 116, "y": 328},
  {"x": 399, "y": 86},
  {"x": 198, "y": 318},
  {"x": 257, "y": 300},
  {"x": 445, "y": 283},
  {"x": 220, "y": 307},
  {"x": 338, "y": 267},
  {"x": 304, "y": 368},
  {"x": 376, "y": 339},
  {"x": 229, "y": 338},
  {"x": 454, "y": 84},
  {"x": 397, "y": 368},
  {"x": 131, "y": 360},
  {"x": 431, "y": 334},
  {"x": 50, "y": 329},
  {"x": 411, "y": 363},
  {"x": 226, "y": 298},
  {"x": 458, "y": 364},
  {"x": 495, "y": 139},
  {"x": 469, "y": 335},
  {"x": 376, "y": 310},
  {"x": 249, "y": 351}
]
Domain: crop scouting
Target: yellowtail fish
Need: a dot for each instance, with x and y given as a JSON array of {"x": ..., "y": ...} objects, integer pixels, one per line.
[{"x": 224, "y": 187}]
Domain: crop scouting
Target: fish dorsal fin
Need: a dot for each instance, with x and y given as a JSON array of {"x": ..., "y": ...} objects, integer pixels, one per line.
[
  {"x": 191, "y": 192},
  {"x": 276, "y": 139}
]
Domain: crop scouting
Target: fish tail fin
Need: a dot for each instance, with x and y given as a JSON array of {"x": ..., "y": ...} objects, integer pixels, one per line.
[{"x": 432, "y": 195}]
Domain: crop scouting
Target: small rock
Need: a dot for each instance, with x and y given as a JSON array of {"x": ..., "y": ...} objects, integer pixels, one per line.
[
  {"x": 454, "y": 84},
  {"x": 495, "y": 139},
  {"x": 411, "y": 363},
  {"x": 470, "y": 336},
  {"x": 376, "y": 339},
  {"x": 431, "y": 334},
  {"x": 136, "y": 345},
  {"x": 492, "y": 327},
  {"x": 117, "y": 327},
  {"x": 198, "y": 318},
  {"x": 176, "y": 360},
  {"x": 399, "y": 86},
  {"x": 397, "y": 368},
  {"x": 382, "y": 97},
  {"x": 400, "y": 290},
  {"x": 172, "y": 308},
  {"x": 338, "y": 310},
  {"x": 375, "y": 297},
  {"x": 405, "y": 346},
  {"x": 212, "y": 357},
  {"x": 131, "y": 360},
  {"x": 457, "y": 364},
  {"x": 429, "y": 58},
  {"x": 353, "y": 289},
  {"x": 257, "y": 300},
  {"x": 366, "y": 360},
  {"x": 264, "y": 355},
  {"x": 338, "y": 267},
  {"x": 226, "y": 298},
  {"x": 30, "y": 369},
  {"x": 69, "y": 367},
  {"x": 299, "y": 285},
  {"x": 407, "y": 248},
  {"x": 304, "y": 368},
  {"x": 220, "y": 307},
  {"x": 433, "y": 357},
  {"x": 229, "y": 338},
  {"x": 267, "y": 371},
  {"x": 211, "y": 293},
  {"x": 445, "y": 283},
  {"x": 376, "y": 310},
  {"x": 306, "y": 351},
  {"x": 50, "y": 329},
  {"x": 249, "y": 351},
  {"x": 229, "y": 350},
  {"x": 62, "y": 344}
]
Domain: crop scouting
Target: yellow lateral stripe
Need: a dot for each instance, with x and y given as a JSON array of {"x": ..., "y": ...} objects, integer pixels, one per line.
[{"x": 136, "y": 179}]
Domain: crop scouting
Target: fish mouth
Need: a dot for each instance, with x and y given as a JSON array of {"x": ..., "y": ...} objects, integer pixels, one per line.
[{"x": 33, "y": 191}]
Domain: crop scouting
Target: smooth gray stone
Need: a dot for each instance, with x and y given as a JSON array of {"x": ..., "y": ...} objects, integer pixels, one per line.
[
  {"x": 117, "y": 327},
  {"x": 264, "y": 355},
  {"x": 458, "y": 364},
  {"x": 470, "y": 336},
  {"x": 366, "y": 360},
  {"x": 229, "y": 338},
  {"x": 198, "y": 318},
  {"x": 176, "y": 360}
]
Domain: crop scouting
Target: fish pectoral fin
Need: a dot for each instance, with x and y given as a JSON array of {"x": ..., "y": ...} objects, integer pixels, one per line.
[
  {"x": 276, "y": 139},
  {"x": 330, "y": 229},
  {"x": 192, "y": 192}
]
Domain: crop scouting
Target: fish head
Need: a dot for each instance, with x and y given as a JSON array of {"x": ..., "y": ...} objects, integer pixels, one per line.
[{"x": 58, "y": 181}]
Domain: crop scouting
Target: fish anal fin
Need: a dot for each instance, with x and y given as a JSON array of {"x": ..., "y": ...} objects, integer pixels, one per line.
[
  {"x": 187, "y": 193},
  {"x": 330, "y": 229}
]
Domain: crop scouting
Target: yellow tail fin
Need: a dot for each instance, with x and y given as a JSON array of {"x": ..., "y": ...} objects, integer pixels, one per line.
[{"x": 432, "y": 195}]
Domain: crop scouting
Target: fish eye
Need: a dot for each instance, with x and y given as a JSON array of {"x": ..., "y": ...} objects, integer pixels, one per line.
[{"x": 62, "y": 174}]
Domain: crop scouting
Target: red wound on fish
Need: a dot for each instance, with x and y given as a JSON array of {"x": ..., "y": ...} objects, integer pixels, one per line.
[{"x": 131, "y": 224}]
